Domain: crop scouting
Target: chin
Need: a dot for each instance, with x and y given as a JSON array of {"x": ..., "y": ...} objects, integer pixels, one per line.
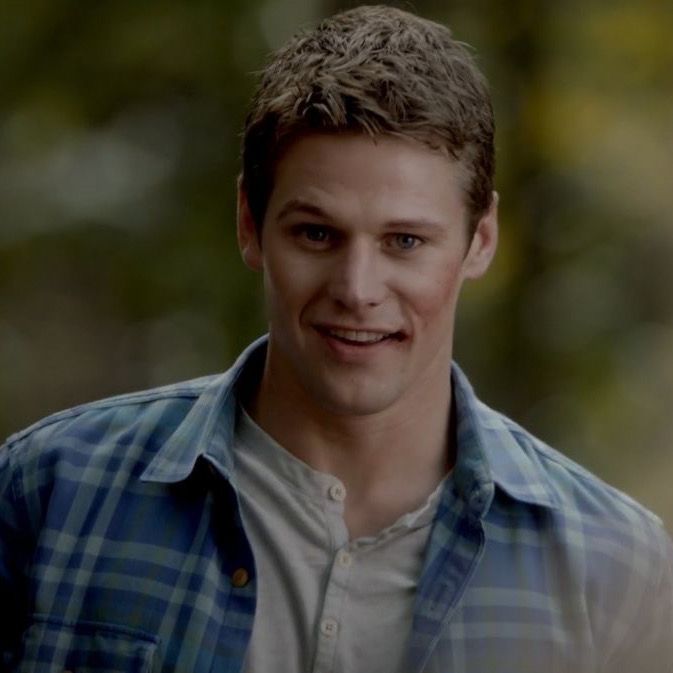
[{"x": 357, "y": 404}]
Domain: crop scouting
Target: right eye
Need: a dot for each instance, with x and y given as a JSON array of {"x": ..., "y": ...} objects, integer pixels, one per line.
[{"x": 314, "y": 235}]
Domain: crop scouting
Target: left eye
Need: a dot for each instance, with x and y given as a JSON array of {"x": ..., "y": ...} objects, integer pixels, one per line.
[
  {"x": 313, "y": 235},
  {"x": 405, "y": 241}
]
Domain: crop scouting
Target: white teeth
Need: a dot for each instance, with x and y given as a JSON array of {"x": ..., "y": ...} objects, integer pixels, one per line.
[{"x": 360, "y": 336}]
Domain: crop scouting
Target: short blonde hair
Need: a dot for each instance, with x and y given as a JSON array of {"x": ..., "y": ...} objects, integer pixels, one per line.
[{"x": 376, "y": 70}]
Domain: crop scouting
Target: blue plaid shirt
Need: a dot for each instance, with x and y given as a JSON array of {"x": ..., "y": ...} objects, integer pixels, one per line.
[{"x": 122, "y": 548}]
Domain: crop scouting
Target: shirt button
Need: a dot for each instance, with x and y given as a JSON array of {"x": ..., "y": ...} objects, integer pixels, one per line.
[
  {"x": 240, "y": 577},
  {"x": 329, "y": 627},
  {"x": 344, "y": 559},
  {"x": 477, "y": 502},
  {"x": 337, "y": 492}
]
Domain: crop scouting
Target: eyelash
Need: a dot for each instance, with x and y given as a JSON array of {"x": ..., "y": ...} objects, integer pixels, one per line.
[
  {"x": 307, "y": 232},
  {"x": 416, "y": 241}
]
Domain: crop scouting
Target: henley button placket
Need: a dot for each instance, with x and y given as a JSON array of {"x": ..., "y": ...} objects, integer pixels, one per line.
[
  {"x": 329, "y": 627},
  {"x": 337, "y": 492},
  {"x": 345, "y": 559}
]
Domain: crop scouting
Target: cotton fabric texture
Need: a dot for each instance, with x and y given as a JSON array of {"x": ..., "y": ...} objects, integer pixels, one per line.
[
  {"x": 330, "y": 589},
  {"x": 122, "y": 548}
]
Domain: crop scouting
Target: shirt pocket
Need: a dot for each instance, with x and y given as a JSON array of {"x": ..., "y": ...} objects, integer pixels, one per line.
[{"x": 52, "y": 645}]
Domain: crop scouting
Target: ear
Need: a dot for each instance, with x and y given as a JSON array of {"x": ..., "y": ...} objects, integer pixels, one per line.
[
  {"x": 484, "y": 242},
  {"x": 248, "y": 238}
]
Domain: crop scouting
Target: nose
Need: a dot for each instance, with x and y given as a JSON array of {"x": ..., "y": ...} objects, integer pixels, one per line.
[{"x": 358, "y": 276}]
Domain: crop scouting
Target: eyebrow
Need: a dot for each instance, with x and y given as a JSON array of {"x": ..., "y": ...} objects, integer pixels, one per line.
[
  {"x": 416, "y": 224},
  {"x": 408, "y": 224},
  {"x": 299, "y": 206}
]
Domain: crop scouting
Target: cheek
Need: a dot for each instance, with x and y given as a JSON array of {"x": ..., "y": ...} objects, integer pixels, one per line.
[
  {"x": 434, "y": 293},
  {"x": 288, "y": 284}
]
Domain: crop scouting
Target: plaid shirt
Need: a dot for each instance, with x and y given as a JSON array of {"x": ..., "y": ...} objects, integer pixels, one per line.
[{"x": 122, "y": 548}]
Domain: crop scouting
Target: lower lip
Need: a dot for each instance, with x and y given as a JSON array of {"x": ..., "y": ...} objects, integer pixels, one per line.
[{"x": 354, "y": 352}]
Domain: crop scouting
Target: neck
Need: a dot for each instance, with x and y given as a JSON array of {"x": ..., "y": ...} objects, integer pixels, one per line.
[{"x": 389, "y": 461}]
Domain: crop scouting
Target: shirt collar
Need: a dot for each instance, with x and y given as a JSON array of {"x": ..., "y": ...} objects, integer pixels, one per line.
[
  {"x": 491, "y": 449},
  {"x": 208, "y": 429},
  {"x": 494, "y": 451}
]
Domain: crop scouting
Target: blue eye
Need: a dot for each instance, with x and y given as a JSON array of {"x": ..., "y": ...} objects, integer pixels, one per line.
[{"x": 406, "y": 241}]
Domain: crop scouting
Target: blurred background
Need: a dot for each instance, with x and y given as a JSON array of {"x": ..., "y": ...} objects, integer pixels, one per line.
[{"x": 119, "y": 135}]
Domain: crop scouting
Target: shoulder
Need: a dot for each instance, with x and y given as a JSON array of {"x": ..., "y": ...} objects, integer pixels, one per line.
[
  {"x": 578, "y": 492},
  {"x": 79, "y": 454},
  {"x": 606, "y": 560},
  {"x": 527, "y": 468},
  {"x": 134, "y": 424},
  {"x": 607, "y": 537},
  {"x": 104, "y": 441},
  {"x": 530, "y": 472},
  {"x": 617, "y": 551},
  {"x": 136, "y": 414},
  {"x": 132, "y": 403}
]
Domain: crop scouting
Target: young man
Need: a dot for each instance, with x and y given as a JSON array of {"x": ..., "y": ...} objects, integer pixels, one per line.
[{"x": 339, "y": 500}]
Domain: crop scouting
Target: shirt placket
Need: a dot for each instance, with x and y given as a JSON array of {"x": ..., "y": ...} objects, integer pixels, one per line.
[
  {"x": 330, "y": 619},
  {"x": 456, "y": 547}
]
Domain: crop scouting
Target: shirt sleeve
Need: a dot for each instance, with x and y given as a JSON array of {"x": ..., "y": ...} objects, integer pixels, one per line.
[
  {"x": 649, "y": 646},
  {"x": 16, "y": 546}
]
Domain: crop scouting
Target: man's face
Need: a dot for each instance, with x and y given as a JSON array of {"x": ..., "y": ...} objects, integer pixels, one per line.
[{"x": 364, "y": 249}]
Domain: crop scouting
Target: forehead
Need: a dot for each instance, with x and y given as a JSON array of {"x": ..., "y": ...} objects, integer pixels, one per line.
[{"x": 355, "y": 173}]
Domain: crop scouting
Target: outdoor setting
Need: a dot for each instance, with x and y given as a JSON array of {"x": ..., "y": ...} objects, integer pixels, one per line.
[{"x": 120, "y": 130}]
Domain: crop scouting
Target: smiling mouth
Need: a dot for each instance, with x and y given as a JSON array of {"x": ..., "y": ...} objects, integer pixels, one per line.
[{"x": 358, "y": 337}]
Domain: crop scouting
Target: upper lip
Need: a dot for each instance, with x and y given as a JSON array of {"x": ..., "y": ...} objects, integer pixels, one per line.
[{"x": 326, "y": 327}]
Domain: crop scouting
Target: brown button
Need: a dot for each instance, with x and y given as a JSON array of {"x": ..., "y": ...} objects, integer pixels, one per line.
[{"x": 240, "y": 577}]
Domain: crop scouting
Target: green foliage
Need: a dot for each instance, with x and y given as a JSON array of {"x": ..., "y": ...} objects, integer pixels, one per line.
[{"x": 119, "y": 132}]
